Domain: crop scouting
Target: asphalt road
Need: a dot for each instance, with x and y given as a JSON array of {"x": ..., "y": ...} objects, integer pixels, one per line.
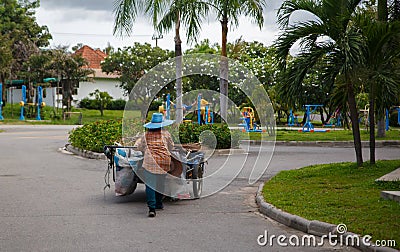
[{"x": 52, "y": 201}]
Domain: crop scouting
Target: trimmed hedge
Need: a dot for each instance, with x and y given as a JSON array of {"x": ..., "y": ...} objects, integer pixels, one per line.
[
  {"x": 190, "y": 133},
  {"x": 87, "y": 103},
  {"x": 94, "y": 136}
]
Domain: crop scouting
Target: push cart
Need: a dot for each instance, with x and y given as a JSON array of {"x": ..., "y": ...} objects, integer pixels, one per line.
[{"x": 127, "y": 161}]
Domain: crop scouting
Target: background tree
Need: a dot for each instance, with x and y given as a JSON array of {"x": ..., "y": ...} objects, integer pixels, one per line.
[
  {"x": 18, "y": 26},
  {"x": 70, "y": 69},
  {"x": 165, "y": 15},
  {"x": 330, "y": 40},
  {"x": 131, "y": 63},
  {"x": 101, "y": 100},
  {"x": 381, "y": 73},
  {"x": 228, "y": 13}
]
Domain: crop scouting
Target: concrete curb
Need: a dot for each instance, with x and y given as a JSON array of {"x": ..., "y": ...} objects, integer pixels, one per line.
[
  {"x": 313, "y": 227},
  {"x": 349, "y": 144},
  {"x": 84, "y": 153}
]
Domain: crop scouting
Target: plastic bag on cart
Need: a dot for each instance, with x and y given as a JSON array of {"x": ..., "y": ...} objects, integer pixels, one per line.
[
  {"x": 127, "y": 161},
  {"x": 176, "y": 185},
  {"x": 177, "y": 188}
]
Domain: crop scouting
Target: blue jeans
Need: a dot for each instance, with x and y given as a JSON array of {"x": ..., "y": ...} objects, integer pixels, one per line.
[{"x": 154, "y": 188}]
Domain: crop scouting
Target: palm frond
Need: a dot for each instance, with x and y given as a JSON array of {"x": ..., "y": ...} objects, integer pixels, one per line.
[
  {"x": 254, "y": 9},
  {"x": 306, "y": 32},
  {"x": 194, "y": 13},
  {"x": 290, "y": 6},
  {"x": 125, "y": 12}
]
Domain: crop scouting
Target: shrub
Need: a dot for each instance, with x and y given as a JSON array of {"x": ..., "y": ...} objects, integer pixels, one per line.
[
  {"x": 88, "y": 103},
  {"x": 190, "y": 133},
  {"x": 154, "y": 105},
  {"x": 94, "y": 136},
  {"x": 118, "y": 104}
]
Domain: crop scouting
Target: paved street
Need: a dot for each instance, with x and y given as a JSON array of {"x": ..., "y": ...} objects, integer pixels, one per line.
[{"x": 52, "y": 201}]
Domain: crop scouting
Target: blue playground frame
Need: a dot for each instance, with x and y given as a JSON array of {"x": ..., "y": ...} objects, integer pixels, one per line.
[
  {"x": 293, "y": 120},
  {"x": 209, "y": 115},
  {"x": 1, "y": 101},
  {"x": 248, "y": 121},
  {"x": 308, "y": 126}
]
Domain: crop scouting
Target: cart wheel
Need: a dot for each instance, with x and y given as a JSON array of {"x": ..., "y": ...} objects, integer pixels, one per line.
[{"x": 197, "y": 179}]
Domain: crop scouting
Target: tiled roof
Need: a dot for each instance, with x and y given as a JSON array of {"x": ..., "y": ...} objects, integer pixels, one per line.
[
  {"x": 94, "y": 58},
  {"x": 100, "y": 74}
]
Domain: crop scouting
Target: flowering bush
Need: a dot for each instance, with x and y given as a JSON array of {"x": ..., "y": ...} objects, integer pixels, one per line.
[
  {"x": 94, "y": 136},
  {"x": 190, "y": 133}
]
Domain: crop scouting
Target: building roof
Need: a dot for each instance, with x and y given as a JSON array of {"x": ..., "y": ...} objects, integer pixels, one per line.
[
  {"x": 94, "y": 59},
  {"x": 100, "y": 74}
]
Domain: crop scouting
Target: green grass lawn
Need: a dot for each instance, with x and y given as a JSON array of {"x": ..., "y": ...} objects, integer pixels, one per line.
[
  {"x": 51, "y": 116},
  {"x": 54, "y": 116},
  {"x": 333, "y": 135},
  {"x": 340, "y": 193},
  {"x": 88, "y": 116}
]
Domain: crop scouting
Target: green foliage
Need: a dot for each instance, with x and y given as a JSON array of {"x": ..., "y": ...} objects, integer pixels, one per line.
[
  {"x": 118, "y": 104},
  {"x": 21, "y": 36},
  {"x": 154, "y": 105},
  {"x": 337, "y": 193},
  {"x": 88, "y": 103},
  {"x": 131, "y": 63},
  {"x": 94, "y": 136},
  {"x": 190, "y": 133},
  {"x": 101, "y": 99}
]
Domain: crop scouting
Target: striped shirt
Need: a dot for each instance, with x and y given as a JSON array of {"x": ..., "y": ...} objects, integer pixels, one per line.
[{"x": 156, "y": 146}]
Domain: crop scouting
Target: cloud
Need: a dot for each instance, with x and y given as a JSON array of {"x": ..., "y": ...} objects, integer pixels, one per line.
[
  {"x": 91, "y": 22},
  {"x": 93, "y": 5}
]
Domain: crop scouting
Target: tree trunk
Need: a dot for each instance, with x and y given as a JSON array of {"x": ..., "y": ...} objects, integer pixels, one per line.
[
  {"x": 224, "y": 68},
  {"x": 354, "y": 121},
  {"x": 382, "y": 10},
  {"x": 178, "y": 71},
  {"x": 381, "y": 126},
  {"x": 372, "y": 125},
  {"x": 321, "y": 113}
]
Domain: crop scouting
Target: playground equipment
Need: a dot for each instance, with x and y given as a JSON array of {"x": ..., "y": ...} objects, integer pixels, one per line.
[
  {"x": 388, "y": 117},
  {"x": 398, "y": 115},
  {"x": 204, "y": 113},
  {"x": 167, "y": 109},
  {"x": 335, "y": 120},
  {"x": 308, "y": 126},
  {"x": 22, "y": 103},
  {"x": 293, "y": 119},
  {"x": 1, "y": 101},
  {"x": 248, "y": 121},
  {"x": 40, "y": 102}
]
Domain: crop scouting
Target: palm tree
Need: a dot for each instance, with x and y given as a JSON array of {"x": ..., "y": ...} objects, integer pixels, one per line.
[
  {"x": 166, "y": 15},
  {"x": 228, "y": 13},
  {"x": 380, "y": 57},
  {"x": 190, "y": 13},
  {"x": 329, "y": 39}
]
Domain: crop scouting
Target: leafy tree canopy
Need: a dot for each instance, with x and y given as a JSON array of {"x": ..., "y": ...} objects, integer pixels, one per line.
[{"x": 131, "y": 63}]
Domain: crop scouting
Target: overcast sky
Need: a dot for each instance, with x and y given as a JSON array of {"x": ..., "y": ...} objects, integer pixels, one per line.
[{"x": 91, "y": 22}]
